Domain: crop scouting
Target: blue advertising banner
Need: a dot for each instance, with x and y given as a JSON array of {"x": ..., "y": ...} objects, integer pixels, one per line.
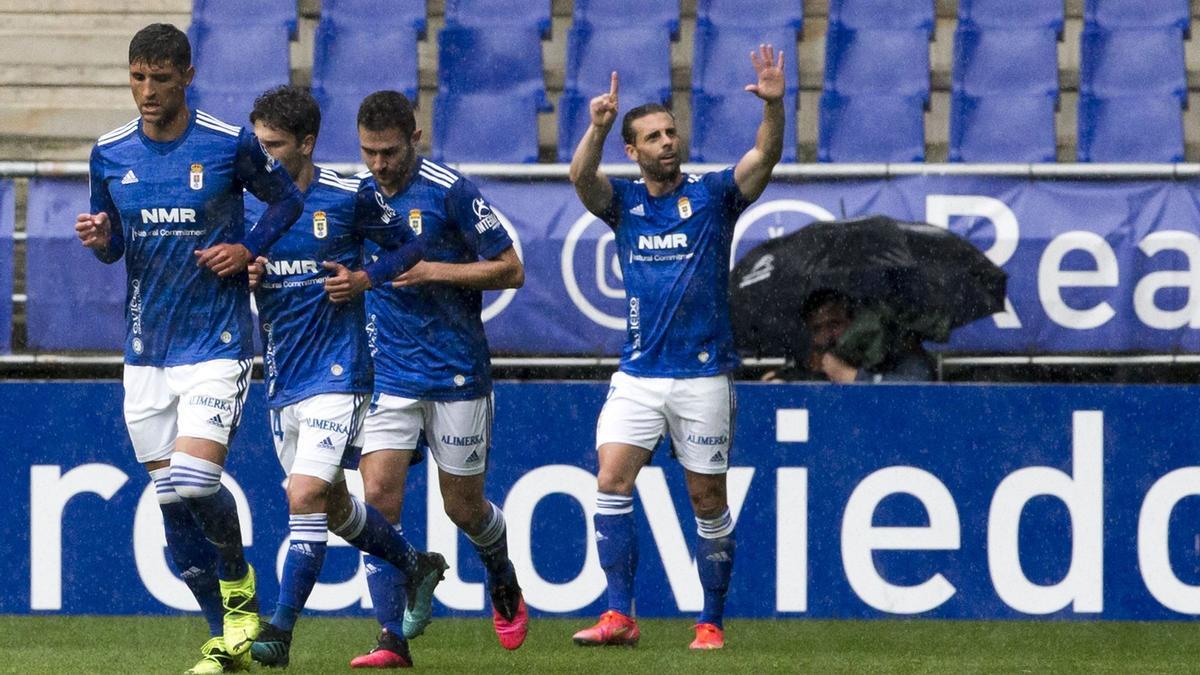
[
  {"x": 1092, "y": 265},
  {"x": 948, "y": 501}
]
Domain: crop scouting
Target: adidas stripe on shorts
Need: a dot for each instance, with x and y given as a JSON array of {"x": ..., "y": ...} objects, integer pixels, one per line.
[
  {"x": 458, "y": 433},
  {"x": 200, "y": 400},
  {"x": 697, "y": 411},
  {"x": 321, "y": 435}
]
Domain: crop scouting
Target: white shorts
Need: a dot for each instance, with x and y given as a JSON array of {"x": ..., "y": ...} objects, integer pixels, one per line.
[
  {"x": 458, "y": 433},
  {"x": 321, "y": 435},
  {"x": 698, "y": 412},
  {"x": 200, "y": 400}
]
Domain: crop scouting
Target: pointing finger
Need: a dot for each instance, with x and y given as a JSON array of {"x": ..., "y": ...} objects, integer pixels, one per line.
[{"x": 612, "y": 90}]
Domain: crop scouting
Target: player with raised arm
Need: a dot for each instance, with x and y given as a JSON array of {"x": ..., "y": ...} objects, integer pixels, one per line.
[
  {"x": 309, "y": 288},
  {"x": 673, "y": 238},
  {"x": 432, "y": 366},
  {"x": 166, "y": 193}
]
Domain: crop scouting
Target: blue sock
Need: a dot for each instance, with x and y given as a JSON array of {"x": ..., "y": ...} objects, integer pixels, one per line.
[
  {"x": 491, "y": 543},
  {"x": 301, "y": 567},
  {"x": 367, "y": 530},
  {"x": 388, "y": 594},
  {"x": 617, "y": 544},
  {"x": 194, "y": 556},
  {"x": 714, "y": 560},
  {"x": 198, "y": 482}
]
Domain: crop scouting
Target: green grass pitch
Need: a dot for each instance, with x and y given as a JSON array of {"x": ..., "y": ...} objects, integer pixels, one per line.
[{"x": 135, "y": 645}]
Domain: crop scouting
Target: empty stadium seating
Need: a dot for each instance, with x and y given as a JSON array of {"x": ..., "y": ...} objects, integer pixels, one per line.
[
  {"x": 721, "y": 59},
  {"x": 868, "y": 128},
  {"x": 724, "y": 126},
  {"x": 1012, "y": 14},
  {"x": 233, "y": 12},
  {"x": 495, "y": 13},
  {"x": 378, "y": 12},
  {"x": 1132, "y": 61},
  {"x": 1137, "y": 13},
  {"x": 1130, "y": 129},
  {"x": 228, "y": 75},
  {"x": 876, "y": 62},
  {"x": 1004, "y": 61},
  {"x": 1002, "y": 128},
  {"x": 486, "y": 127},
  {"x": 496, "y": 59},
  {"x": 764, "y": 13},
  {"x": 889, "y": 14},
  {"x": 629, "y": 13}
]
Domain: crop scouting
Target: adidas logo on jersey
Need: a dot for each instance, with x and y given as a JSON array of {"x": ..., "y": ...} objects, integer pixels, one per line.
[
  {"x": 326, "y": 444},
  {"x": 473, "y": 457},
  {"x": 718, "y": 456},
  {"x": 130, "y": 178},
  {"x": 638, "y": 210},
  {"x": 216, "y": 421}
]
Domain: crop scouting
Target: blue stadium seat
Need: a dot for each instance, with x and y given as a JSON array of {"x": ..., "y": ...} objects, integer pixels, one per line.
[
  {"x": 629, "y": 13},
  {"x": 228, "y": 76},
  {"x": 721, "y": 62},
  {"x": 1130, "y": 129},
  {"x": 347, "y": 57},
  {"x": 891, "y": 14},
  {"x": 724, "y": 126},
  {"x": 1134, "y": 61},
  {"x": 496, "y": 59},
  {"x": 239, "y": 12},
  {"x": 788, "y": 13},
  {"x": 876, "y": 62},
  {"x": 871, "y": 129},
  {"x": 485, "y": 127},
  {"x": 1012, "y": 13},
  {"x": 593, "y": 52},
  {"x": 338, "y": 141},
  {"x": 574, "y": 117},
  {"x": 998, "y": 61},
  {"x": 1002, "y": 128},
  {"x": 487, "y": 13},
  {"x": 1137, "y": 13},
  {"x": 378, "y": 12}
]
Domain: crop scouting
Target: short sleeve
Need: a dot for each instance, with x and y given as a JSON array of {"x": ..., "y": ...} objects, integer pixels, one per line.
[
  {"x": 476, "y": 219},
  {"x": 722, "y": 185}
]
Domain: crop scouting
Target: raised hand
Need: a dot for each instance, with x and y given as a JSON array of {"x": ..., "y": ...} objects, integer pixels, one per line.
[
  {"x": 343, "y": 285},
  {"x": 224, "y": 259},
  {"x": 769, "y": 68},
  {"x": 604, "y": 106},
  {"x": 94, "y": 230}
]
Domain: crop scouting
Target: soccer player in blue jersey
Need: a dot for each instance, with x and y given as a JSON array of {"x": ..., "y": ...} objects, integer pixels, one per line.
[
  {"x": 309, "y": 288},
  {"x": 166, "y": 193},
  {"x": 432, "y": 366},
  {"x": 673, "y": 237}
]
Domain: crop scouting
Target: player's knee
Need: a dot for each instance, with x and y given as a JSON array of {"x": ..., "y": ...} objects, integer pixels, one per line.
[
  {"x": 193, "y": 477},
  {"x": 385, "y": 498},
  {"x": 307, "y": 497},
  {"x": 614, "y": 483},
  {"x": 708, "y": 503}
]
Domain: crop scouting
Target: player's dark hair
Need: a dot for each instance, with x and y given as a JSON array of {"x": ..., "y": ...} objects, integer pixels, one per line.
[
  {"x": 384, "y": 110},
  {"x": 627, "y": 132},
  {"x": 161, "y": 43},
  {"x": 290, "y": 109}
]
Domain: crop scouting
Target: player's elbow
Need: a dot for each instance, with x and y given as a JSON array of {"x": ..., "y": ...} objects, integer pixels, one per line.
[{"x": 516, "y": 276}]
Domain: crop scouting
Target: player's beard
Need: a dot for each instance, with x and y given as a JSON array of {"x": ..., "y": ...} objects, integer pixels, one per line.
[{"x": 656, "y": 170}]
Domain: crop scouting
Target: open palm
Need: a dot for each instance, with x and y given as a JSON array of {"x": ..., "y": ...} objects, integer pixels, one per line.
[{"x": 769, "y": 67}]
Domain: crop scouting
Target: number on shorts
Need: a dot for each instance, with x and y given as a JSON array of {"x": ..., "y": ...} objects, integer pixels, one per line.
[{"x": 277, "y": 425}]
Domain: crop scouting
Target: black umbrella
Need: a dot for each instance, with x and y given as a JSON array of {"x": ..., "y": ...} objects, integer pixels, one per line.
[{"x": 932, "y": 279}]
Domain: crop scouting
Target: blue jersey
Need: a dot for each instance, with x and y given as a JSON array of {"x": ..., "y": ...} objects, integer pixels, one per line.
[
  {"x": 428, "y": 339},
  {"x": 165, "y": 201},
  {"x": 674, "y": 253},
  {"x": 311, "y": 345}
]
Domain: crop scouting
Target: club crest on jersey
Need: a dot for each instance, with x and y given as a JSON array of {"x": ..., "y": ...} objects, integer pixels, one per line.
[
  {"x": 414, "y": 220},
  {"x": 685, "y": 208},
  {"x": 196, "y": 177},
  {"x": 320, "y": 225}
]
